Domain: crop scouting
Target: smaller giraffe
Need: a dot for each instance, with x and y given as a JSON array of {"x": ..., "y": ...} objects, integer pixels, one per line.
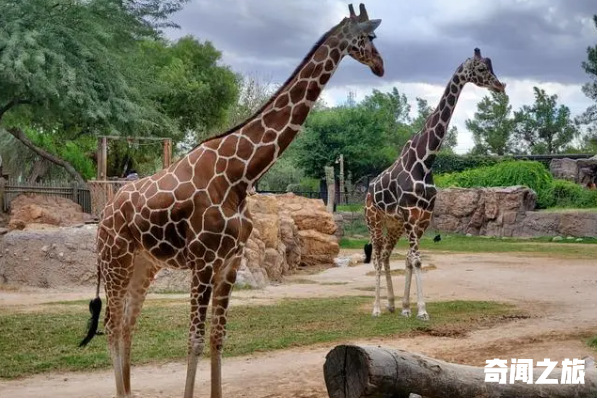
[{"x": 402, "y": 198}]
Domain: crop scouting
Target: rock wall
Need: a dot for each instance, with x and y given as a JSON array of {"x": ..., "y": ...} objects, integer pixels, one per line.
[
  {"x": 506, "y": 212},
  {"x": 289, "y": 232},
  {"x": 580, "y": 171},
  {"x": 484, "y": 211}
]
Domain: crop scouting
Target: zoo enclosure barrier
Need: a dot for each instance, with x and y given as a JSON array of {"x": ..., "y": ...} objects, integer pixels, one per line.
[{"x": 93, "y": 196}]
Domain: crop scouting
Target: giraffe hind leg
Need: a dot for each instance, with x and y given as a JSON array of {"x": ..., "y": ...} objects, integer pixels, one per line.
[
  {"x": 201, "y": 287},
  {"x": 117, "y": 277},
  {"x": 374, "y": 223},
  {"x": 223, "y": 286},
  {"x": 394, "y": 230},
  {"x": 143, "y": 273}
]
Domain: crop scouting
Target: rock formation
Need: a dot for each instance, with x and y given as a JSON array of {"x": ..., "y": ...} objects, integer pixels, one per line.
[{"x": 289, "y": 232}]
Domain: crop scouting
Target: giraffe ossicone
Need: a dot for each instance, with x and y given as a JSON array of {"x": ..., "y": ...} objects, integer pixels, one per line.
[
  {"x": 193, "y": 215},
  {"x": 401, "y": 199}
]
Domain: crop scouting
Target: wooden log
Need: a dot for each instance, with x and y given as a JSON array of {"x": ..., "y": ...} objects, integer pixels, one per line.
[{"x": 372, "y": 372}]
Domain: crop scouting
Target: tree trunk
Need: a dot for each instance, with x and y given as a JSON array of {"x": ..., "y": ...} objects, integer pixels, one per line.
[
  {"x": 370, "y": 372},
  {"x": 20, "y": 135}
]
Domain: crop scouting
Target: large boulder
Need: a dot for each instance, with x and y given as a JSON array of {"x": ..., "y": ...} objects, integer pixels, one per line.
[
  {"x": 482, "y": 211},
  {"x": 316, "y": 227},
  {"x": 285, "y": 236},
  {"x": 29, "y": 209}
]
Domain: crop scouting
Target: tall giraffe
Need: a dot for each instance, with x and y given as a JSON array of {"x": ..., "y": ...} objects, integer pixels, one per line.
[
  {"x": 402, "y": 197},
  {"x": 193, "y": 215}
]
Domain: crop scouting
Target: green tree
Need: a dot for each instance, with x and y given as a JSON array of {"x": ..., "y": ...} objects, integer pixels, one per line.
[
  {"x": 370, "y": 135},
  {"x": 423, "y": 112},
  {"x": 588, "y": 120},
  {"x": 70, "y": 70},
  {"x": 492, "y": 126},
  {"x": 544, "y": 127}
]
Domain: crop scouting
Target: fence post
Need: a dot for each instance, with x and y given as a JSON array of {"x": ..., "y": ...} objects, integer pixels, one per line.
[
  {"x": 2, "y": 186},
  {"x": 329, "y": 175},
  {"x": 75, "y": 192}
]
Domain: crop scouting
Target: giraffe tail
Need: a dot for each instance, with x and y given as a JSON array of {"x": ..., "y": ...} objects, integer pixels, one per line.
[
  {"x": 95, "y": 308},
  {"x": 368, "y": 250}
]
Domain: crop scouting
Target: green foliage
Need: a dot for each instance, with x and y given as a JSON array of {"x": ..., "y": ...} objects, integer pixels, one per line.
[
  {"x": 544, "y": 127},
  {"x": 550, "y": 192},
  {"x": 508, "y": 173},
  {"x": 370, "y": 134},
  {"x": 80, "y": 69},
  {"x": 492, "y": 125},
  {"x": 452, "y": 163},
  {"x": 567, "y": 194}
]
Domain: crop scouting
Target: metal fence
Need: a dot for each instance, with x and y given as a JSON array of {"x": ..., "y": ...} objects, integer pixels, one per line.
[
  {"x": 93, "y": 196},
  {"x": 71, "y": 191}
]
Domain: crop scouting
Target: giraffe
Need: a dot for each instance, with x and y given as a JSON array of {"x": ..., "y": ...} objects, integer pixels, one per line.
[
  {"x": 401, "y": 199},
  {"x": 193, "y": 215}
]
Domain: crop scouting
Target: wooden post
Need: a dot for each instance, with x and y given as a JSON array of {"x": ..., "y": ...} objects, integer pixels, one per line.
[
  {"x": 167, "y": 153},
  {"x": 102, "y": 158},
  {"x": 2, "y": 186},
  {"x": 371, "y": 372},
  {"x": 75, "y": 192},
  {"x": 329, "y": 176},
  {"x": 341, "y": 162}
]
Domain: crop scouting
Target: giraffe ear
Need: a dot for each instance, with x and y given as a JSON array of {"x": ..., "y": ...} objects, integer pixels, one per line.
[{"x": 369, "y": 26}]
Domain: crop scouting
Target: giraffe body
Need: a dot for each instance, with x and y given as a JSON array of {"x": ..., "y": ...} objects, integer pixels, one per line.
[
  {"x": 193, "y": 215},
  {"x": 401, "y": 199}
]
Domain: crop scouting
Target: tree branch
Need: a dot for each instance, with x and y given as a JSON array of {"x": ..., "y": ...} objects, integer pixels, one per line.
[
  {"x": 20, "y": 135},
  {"x": 11, "y": 104}
]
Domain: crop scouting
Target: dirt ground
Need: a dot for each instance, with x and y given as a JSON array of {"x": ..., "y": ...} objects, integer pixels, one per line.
[{"x": 558, "y": 294}]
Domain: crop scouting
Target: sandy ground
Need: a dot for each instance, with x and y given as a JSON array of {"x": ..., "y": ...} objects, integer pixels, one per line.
[{"x": 560, "y": 295}]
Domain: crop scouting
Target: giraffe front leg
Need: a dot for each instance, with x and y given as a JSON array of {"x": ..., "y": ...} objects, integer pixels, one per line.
[
  {"x": 407, "y": 281},
  {"x": 201, "y": 286},
  {"x": 221, "y": 299},
  {"x": 414, "y": 258},
  {"x": 377, "y": 264}
]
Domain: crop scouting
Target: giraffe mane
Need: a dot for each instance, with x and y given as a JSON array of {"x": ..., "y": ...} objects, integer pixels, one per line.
[{"x": 307, "y": 57}]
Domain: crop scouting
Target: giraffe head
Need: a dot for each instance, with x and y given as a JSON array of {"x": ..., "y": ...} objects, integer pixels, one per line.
[
  {"x": 478, "y": 70},
  {"x": 360, "y": 32}
]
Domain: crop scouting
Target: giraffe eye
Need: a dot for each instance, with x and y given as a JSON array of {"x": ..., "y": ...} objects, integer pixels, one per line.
[{"x": 372, "y": 36}]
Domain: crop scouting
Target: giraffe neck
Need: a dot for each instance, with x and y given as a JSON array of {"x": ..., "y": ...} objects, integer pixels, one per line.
[
  {"x": 436, "y": 126},
  {"x": 262, "y": 139}
]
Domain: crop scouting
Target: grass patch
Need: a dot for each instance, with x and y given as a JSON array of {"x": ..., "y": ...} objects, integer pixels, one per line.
[
  {"x": 354, "y": 208},
  {"x": 593, "y": 343},
  {"x": 567, "y": 248},
  {"x": 33, "y": 343}
]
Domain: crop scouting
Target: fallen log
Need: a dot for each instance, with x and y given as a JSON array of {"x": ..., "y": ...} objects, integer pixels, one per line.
[{"x": 372, "y": 372}]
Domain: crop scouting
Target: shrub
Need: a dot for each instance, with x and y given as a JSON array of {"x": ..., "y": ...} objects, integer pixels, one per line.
[
  {"x": 534, "y": 175},
  {"x": 453, "y": 163},
  {"x": 571, "y": 195},
  {"x": 508, "y": 173}
]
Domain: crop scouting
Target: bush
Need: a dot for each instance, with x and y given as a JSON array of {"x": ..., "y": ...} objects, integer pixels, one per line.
[
  {"x": 505, "y": 174},
  {"x": 571, "y": 195},
  {"x": 453, "y": 163},
  {"x": 531, "y": 174}
]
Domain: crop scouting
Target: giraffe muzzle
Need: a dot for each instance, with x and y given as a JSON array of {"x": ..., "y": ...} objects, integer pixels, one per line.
[{"x": 377, "y": 68}]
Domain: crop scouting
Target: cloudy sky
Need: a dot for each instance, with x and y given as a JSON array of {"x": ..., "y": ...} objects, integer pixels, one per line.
[{"x": 531, "y": 42}]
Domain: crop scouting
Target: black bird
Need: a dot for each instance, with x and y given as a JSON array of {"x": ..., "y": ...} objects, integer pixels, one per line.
[
  {"x": 437, "y": 238},
  {"x": 368, "y": 250}
]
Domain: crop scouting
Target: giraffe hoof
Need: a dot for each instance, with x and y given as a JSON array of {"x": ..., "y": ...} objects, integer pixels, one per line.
[
  {"x": 376, "y": 312},
  {"x": 406, "y": 313},
  {"x": 391, "y": 309},
  {"x": 423, "y": 316}
]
